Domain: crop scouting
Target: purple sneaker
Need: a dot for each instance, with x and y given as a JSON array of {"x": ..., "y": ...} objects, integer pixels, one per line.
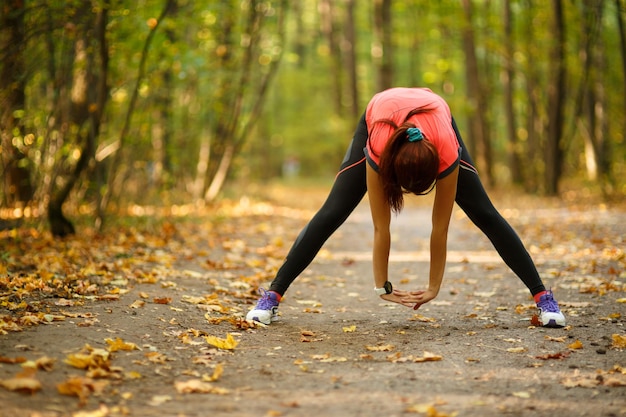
[
  {"x": 549, "y": 313},
  {"x": 266, "y": 309}
]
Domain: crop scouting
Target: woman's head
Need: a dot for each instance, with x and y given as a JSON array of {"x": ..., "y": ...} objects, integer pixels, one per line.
[{"x": 409, "y": 163}]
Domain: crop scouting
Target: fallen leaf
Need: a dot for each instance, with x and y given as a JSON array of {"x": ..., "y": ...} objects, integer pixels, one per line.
[
  {"x": 619, "y": 341},
  {"x": 158, "y": 400},
  {"x": 92, "y": 359},
  {"x": 156, "y": 357},
  {"x": 429, "y": 410},
  {"x": 102, "y": 411},
  {"x": 534, "y": 320},
  {"x": 227, "y": 344},
  {"x": 327, "y": 358},
  {"x": 24, "y": 382},
  {"x": 19, "y": 359},
  {"x": 423, "y": 319},
  {"x": 576, "y": 345},
  {"x": 555, "y": 339},
  {"x": 80, "y": 387},
  {"x": 217, "y": 373},
  {"x": 383, "y": 348},
  {"x": 428, "y": 357},
  {"x": 198, "y": 386},
  {"x": 558, "y": 355},
  {"x": 119, "y": 344},
  {"x": 44, "y": 363},
  {"x": 349, "y": 329}
]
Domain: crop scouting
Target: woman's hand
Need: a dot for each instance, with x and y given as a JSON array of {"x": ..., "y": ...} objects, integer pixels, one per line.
[
  {"x": 413, "y": 299},
  {"x": 396, "y": 296}
]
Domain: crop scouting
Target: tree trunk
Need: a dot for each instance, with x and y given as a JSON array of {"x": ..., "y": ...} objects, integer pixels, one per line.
[
  {"x": 534, "y": 120},
  {"x": 556, "y": 102},
  {"x": 590, "y": 102},
  {"x": 114, "y": 177},
  {"x": 220, "y": 175},
  {"x": 515, "y": 166},
  {"x": 13, "y": 162},
  {"x": 327, "y": 13},
  {"x": 88, "y": 98},
  {"x": 621, "y": 10},
  {"x": 351, "y": 59},
  {"x": 382, "y": 50},
  {"x": 478, "y": 125}
]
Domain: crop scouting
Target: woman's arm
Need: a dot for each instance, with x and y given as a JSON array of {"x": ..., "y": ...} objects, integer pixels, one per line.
[
  {"x": 445, "y": 194},
  {"x": 381, "y": 218}
]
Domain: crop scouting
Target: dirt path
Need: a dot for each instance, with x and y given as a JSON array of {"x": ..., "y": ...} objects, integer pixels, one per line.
[{"x": 337, "y": 350}]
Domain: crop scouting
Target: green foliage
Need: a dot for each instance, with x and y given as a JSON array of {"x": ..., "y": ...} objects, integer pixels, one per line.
[{"x": 197, "y": 96}]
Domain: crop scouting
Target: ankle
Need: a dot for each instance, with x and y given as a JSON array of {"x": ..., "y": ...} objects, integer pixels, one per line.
[
  {"x": 278, "y": 296},
  {"x": 537, "y": 296}
]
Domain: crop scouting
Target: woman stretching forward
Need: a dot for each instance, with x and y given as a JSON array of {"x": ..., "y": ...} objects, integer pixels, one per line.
[{"x": 408, "y": 142}]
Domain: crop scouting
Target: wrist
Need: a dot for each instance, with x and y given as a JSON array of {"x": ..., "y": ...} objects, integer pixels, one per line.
[
  {"x": 434, "y": 289},
  {"x": 387, "y": 288}
]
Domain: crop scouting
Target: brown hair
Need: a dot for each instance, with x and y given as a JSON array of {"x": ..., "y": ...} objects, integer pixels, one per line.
[{"x": 407, "y": 167}]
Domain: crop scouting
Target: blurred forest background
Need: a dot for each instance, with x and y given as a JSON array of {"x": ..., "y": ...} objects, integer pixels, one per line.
[{"x": 111, "y": 103}]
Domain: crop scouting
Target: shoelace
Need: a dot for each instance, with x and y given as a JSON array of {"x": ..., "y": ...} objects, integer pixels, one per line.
[
  {"x": 265, "y": 302},
  {"x": 548, "y": 303}
]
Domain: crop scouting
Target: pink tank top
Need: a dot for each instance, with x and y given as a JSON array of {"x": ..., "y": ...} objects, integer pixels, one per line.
[{"x": 395, "y": 104}]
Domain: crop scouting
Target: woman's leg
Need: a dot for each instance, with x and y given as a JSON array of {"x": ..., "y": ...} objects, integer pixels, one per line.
[
  {"x": 473, "y": 199},
  {"x": 346, "y": 193}
]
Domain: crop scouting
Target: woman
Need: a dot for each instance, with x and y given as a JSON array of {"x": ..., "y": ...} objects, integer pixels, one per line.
[{"x": 408, "y": 142}]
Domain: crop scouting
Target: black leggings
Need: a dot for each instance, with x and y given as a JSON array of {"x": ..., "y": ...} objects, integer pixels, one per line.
[{"x": 348, "y": 191}]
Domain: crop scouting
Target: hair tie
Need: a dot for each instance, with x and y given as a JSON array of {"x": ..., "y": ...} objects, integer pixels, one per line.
[{"x": 414, "y": 134}]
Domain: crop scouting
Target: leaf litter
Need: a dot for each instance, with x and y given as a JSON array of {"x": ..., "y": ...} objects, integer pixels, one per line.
[{"x": 43, "y": 275}]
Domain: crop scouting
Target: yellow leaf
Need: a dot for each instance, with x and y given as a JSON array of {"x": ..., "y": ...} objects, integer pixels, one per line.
[
  {"x": 619, "y": 341},
  {"x": 428, "y": 410},
  {"x": 102, "y": 411},
  {"x": 227, "y": 344},
  {"x": 383, "y": 348},
  {"x": 94, "y": 358},
  {"x": 45, "y": 363},
  {"x": 217, "y": 373},
  {"x": 422, "y": 319},
  {"x": 77, "y": 386},
  {"x": 516, "y": 350},
  {"x": 79, "y": 360},
  {"x": 119, "y": 344},
  {"x": 22, "y": 382},
  {"x": 428, "y": 357},
  {"x": 576, "y": 345},
  {"x": 349, "y": 329},
  {"x": 198, "y": 386},
  {"x": 334, "y": 359},
  {"x": 156, "y": 357},
  {"x": 555, "y": 339}
]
